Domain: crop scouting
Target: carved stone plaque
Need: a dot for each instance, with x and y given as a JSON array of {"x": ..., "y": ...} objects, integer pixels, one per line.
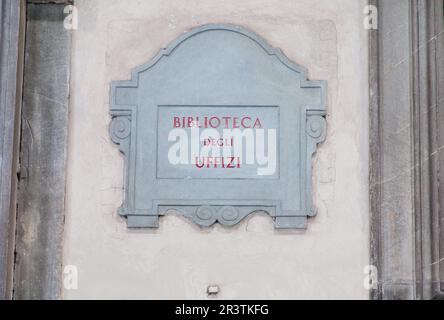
[{"x": 217, "y": 126}]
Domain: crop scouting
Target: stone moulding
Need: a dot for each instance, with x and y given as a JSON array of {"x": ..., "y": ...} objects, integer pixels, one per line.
[{"x": 218, "y": 65}]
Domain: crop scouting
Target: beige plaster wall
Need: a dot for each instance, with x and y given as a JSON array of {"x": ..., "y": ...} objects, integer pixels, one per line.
[{"x": 252, "y": 260}]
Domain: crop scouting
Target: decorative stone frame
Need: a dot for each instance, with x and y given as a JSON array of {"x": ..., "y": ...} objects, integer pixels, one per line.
[{"x": 310, "y": 110}]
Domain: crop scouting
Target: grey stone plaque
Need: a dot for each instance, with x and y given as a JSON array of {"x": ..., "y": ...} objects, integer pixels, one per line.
[{"x": 217, "y": 126}]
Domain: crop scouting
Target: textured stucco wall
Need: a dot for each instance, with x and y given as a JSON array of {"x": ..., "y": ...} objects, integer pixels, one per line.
[{"x": 253, "y": 260}]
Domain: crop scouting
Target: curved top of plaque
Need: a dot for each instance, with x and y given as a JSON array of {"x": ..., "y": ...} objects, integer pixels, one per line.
[
  {"x": 209, "y": 46},
  {"x": 221, "y": 70}
]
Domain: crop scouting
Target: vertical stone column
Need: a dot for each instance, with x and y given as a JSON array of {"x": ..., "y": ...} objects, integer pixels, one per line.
[
  {"x": 10, "y": 80},
  {"x": 406, "y": 108},
  {"x": 41, "y": 205}
]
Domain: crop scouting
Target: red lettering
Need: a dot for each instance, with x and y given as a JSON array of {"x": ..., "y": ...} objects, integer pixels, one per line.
[
  {"x": 227, "y": 121},
  {"x": 176, "y": 123},
  {"x": 214, "y": 126},
  {"x": 235, "y": 124},
  {"x": 200, "y": 166},
  {"x": 257, "y": 124},
  {"x": 245, "y": 125},
  {"x": 231, "y": 163},
  {"x": 215, "y": 122}
]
